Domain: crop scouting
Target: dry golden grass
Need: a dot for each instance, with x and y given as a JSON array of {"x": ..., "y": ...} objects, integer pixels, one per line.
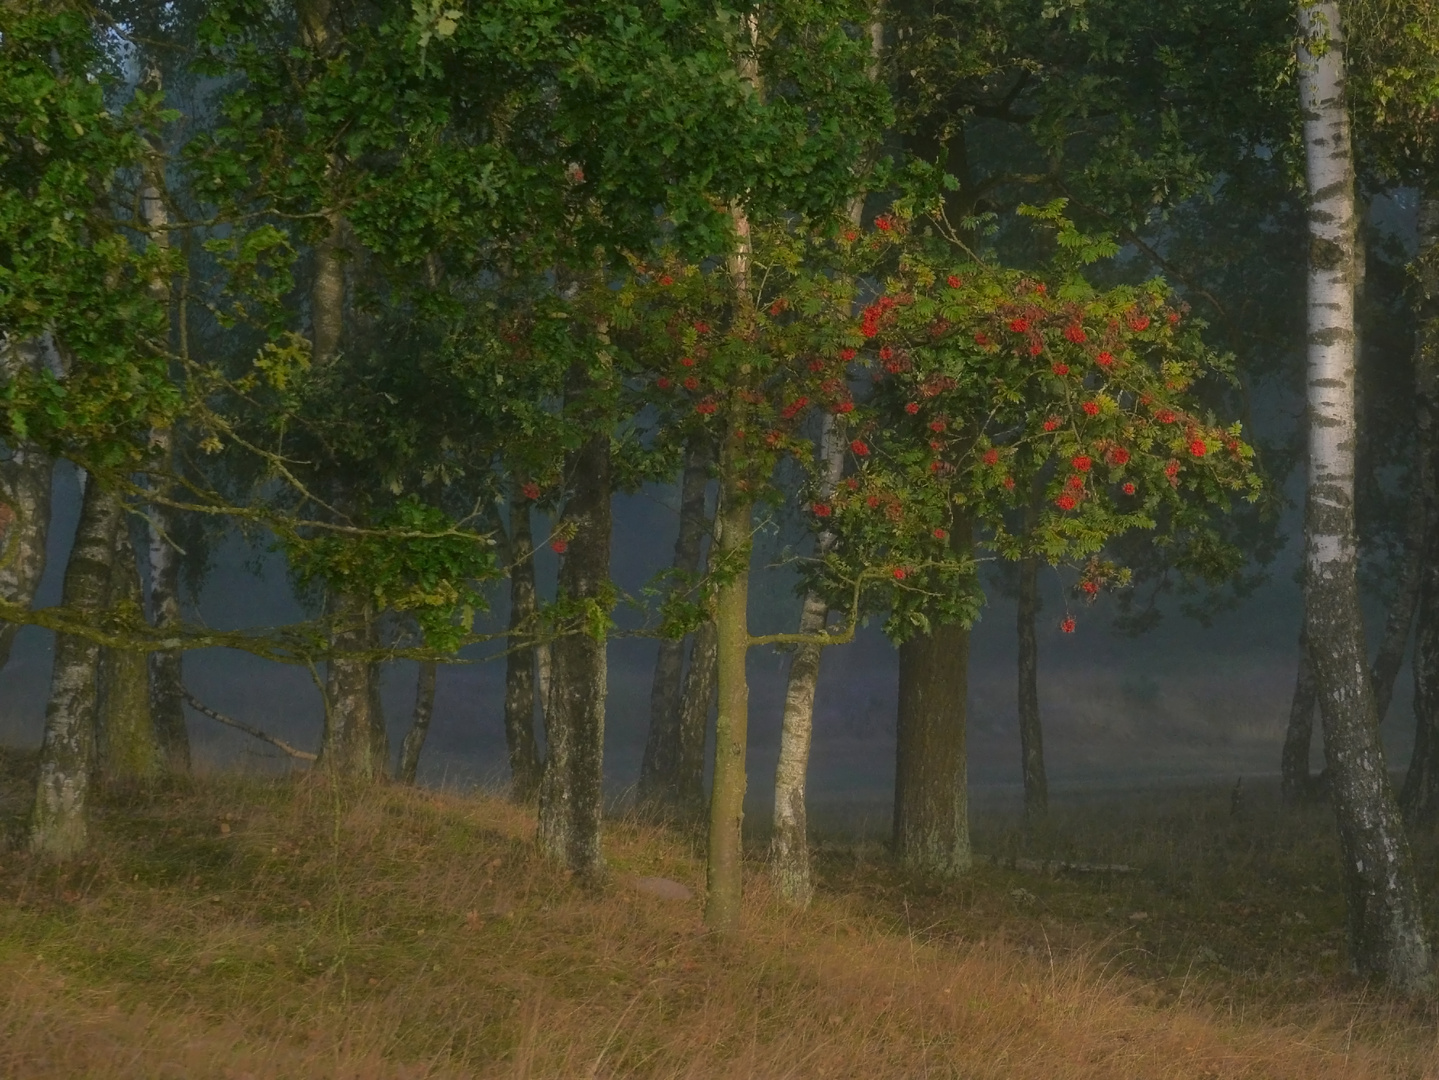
[{"x": 245, "y": 928}]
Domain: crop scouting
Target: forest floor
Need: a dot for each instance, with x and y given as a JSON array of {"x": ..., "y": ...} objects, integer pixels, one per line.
[{"x": 236, "y": 927}]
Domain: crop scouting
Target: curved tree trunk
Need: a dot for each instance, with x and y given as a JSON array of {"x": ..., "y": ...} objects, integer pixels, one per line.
[
  {"x": 24, "y": 505},
  {"x": 419, "y": 724},
  {"x": 931, "y": 787},
  {"x": 571, "y": 790},
  {"x": 659, "y": 785},
  {"x": 1031, "y": 731},
  {"x": 725, "y": 862},
  {"x": 1386, "y": 927},
  {"x": 1295, "y": 782},
  {"x": 520, "y": 662},
  {"x": 789, "y": 849},
  {"x": 129, "y": 749},
  {"x": 67, "y": 754}
]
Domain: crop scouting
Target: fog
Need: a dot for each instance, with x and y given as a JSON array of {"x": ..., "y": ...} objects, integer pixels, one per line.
[{"x": 1182, "y": 703}]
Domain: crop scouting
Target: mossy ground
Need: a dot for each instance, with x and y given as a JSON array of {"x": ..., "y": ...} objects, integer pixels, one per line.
[{"x": 240, "y": 927}]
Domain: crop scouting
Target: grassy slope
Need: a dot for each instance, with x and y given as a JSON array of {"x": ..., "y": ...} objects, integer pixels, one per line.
[{"x": 267, "y": 929}]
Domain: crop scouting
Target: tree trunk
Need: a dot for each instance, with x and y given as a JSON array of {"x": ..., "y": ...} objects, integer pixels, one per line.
[
  {"x": 724, "y": 866},
  {"x": 931, "y": 797},
  {"x": 701, "y": 683},
  {"x": 129, "y": 749},
  {"x": 1295, "y": 782},
  {"x": 571, "y": 790},
  {"x": 1031, "y": 732},
  {"x": 659, "y": 785},
  {"x": 67, "y": 753},
  {"x": 1386, "y": 928},
  {"x": 520, "y": 662},
  {"x": 167, "y": 669},
  {"x": 24, "y": 505},
  {"x": 420, "y": 723},
  {"x": 789, "y": 848},
  {"x": 1420, "y": 796},
  {"x": 355, "y": 743}
]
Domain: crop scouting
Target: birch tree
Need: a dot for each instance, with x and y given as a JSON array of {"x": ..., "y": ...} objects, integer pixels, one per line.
[{"x": 1386, "y": 928}]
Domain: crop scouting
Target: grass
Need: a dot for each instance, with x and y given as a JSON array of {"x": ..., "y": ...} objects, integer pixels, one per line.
[{"x": 239, "y": 927}]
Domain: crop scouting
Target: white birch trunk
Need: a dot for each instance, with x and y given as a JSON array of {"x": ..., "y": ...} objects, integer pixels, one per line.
[
  {"x": 67, "y": 753},
  {"x": 789, "y": 848},
  {"x": 167, "y": 675},
  {"x": 1386, "y": 928}
]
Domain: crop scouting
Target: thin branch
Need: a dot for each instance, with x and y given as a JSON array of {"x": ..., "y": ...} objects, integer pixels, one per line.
[{"x": 214, "y": 714}]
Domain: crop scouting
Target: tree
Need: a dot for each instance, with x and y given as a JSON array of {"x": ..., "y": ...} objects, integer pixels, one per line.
[
  {"x": 1000, "y": 379},
  {"x": 1386, "y": 929}
]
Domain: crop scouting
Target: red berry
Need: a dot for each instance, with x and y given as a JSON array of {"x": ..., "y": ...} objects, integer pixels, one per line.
[
  {"x": 860, "y": 447},
  {"x": 912, "y": 408},
  {"x": 821, "y": 510},
  {"x": 1067, "y": 624},
  {"x": 558, "y": 546}
]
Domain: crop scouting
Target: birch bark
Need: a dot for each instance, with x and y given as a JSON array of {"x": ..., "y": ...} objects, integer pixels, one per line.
[
  {"x": 129, "y": 749},
  {"x": 414, "y": 742},
  {"x": 167, "y": 674},
  {"x": 1386, "y": 927},
  {"x": 789, "y": 849},
  {"x": 67, "y": 752}
]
